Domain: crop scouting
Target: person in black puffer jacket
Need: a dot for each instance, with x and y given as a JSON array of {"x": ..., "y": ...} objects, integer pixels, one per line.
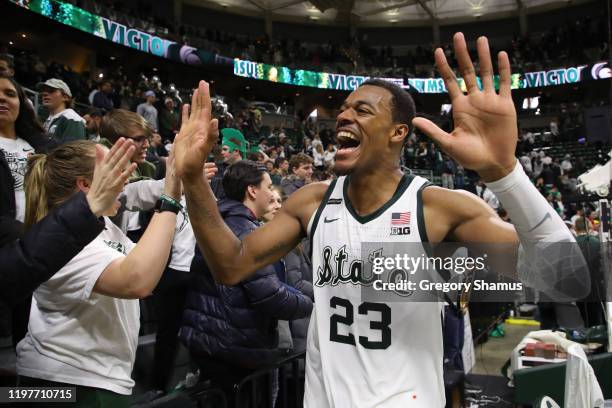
[{"x": 237, "y": 325}]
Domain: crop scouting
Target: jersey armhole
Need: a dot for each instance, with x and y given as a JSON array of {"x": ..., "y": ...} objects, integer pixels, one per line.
[
  {"x": 312, "y": 225},
  {"x": 420, "y": 215}
]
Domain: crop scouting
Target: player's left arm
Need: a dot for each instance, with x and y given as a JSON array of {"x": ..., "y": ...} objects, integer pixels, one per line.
[
  {"x": 460, "y": 216},
  {"x": 484, "y": 139}
]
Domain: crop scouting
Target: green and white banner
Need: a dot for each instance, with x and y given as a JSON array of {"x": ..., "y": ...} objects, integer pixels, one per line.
[
  {"x": 324, "y": 80},
  {"x": 130, "y": 37}
]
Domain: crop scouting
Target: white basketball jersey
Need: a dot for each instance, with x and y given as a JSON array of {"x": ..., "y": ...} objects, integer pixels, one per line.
[{"x": 364, "y": 354}]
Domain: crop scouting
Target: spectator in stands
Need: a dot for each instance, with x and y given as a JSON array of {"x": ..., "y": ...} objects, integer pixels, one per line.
[
  {"x": 487, "y": 195},
  {"x": 7, "y": 66},
  {"x": 103, "y": 98},
  {"x": 169, "y": 120},
  {"x": 590, "y": 308},
  {"x": 263, "y": 144},
  {"x": 298, "y": 274},
  {"x": 148, "y": 111},
  {"x": 409, "y": 154},
  {"x": 233, "y": 147},
  {"x": 93, "y": 120},
  {"x": 48, "y": 245},
  {"x": 448, "y": 173},
  {"x": 280, "y": 170},
  {"x": 554, "y": 129},
  {"x": 63, "y": 124},
  {"x": 301, "y": 173},
  {"x": 548, "y": 175},
  {"x": 330, "y": 156},
  {"x": 526, "y": 163},
  {"x": 566, "y": 164},
  {"x": 286, "y": 150},
  {"x": 318, "y": 156},
  {"x": 83, "y": 328},
  {"x": 307, "y": 146},
  {"x": 316, "y": 141},
  {"x": 233, "y": 329},
  {"x": 20, "y": 136},
  {"x": 122, "y": 123},
  {"x": 422, "y": 156}
]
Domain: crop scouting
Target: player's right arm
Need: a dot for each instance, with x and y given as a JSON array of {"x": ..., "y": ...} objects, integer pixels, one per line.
[{"x": 230, "y": 259}]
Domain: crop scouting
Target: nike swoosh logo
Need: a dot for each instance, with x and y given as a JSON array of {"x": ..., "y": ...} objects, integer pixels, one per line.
[
  {"x": 546, "y": 217},
  {"x": 331, "y": 220}
]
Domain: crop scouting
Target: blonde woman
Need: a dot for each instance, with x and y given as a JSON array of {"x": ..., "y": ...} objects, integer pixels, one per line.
[{"x": 84, "y": 321}]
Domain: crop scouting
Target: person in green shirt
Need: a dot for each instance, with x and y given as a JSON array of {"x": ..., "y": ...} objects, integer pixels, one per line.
[
  {"x": 63, "y": 124},
  {"x": 591, "y": 308}
]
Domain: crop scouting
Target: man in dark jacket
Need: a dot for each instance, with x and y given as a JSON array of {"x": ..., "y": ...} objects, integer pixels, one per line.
[
  {"x": 301, "y": 173},
  {"x": 238, "y": 324}
]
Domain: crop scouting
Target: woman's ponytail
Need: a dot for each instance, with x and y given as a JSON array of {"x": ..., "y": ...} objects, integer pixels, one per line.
[
  {"x": 35, "y": 189},
  {"x": 52, "y": 179}
]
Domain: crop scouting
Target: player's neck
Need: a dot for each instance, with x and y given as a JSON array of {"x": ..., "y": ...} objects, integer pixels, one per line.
[{"x": 368, "y": 192}]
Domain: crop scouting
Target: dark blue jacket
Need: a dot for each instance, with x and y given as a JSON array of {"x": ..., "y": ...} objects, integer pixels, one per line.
[{"x": 237, "y": 324}]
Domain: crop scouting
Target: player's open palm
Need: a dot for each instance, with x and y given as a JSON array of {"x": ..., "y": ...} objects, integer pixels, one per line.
[
  {"x": 485, "y": 134},
  {"x": 198, "y": 134}
]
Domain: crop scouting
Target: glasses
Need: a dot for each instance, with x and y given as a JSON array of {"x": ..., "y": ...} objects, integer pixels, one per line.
[{"x": 139, "y": 139}]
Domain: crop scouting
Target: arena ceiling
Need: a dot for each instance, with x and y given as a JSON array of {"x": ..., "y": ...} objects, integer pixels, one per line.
[{"x": 383, "y": 12}]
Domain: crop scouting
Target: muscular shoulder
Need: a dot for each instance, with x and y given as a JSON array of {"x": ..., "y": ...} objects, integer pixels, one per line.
[
  {"x": 305, "y": 201},
  {"x": 445, "y": 209}
]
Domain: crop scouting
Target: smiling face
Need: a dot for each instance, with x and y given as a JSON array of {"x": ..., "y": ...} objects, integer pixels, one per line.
[
  {"x": 9, "y": 103},
  {"x": 274, "y": 206},
  {"x": 366, "y": 132}
]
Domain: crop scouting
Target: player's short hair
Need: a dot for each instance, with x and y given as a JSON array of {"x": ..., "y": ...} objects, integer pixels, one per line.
[
  {"x": 402, "y": 104},
  {"x": 120, "y": 122},
  {"x": 298, "y": 159},
  {"x": 239, "y": 176}
]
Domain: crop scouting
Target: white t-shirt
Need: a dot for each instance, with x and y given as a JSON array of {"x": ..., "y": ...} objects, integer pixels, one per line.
[
  {"x": 183, "y": 245},
  {"x": 16, "y": 152},
  {"x": 77, "y": 336},
  {"x": 329, "y": 158}
]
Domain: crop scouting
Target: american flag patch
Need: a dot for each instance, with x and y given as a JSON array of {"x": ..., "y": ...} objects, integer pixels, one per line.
[{"x": 400, "y": 218}]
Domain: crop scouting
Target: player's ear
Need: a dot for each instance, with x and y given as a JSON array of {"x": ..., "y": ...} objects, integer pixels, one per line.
[{"x": 400, "y": 133}]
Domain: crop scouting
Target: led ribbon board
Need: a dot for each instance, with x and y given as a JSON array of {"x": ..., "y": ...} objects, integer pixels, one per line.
[
  {"x": 118, "y": 33},
  {"x": 130, "y": 37},
  {"x": 341, "y": 82}
]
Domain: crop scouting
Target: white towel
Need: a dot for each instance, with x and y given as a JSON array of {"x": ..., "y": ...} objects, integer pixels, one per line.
[{"x": 581, "y": 387}]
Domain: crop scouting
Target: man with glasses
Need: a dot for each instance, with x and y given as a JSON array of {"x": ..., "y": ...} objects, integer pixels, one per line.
[{"x": 138, "y": 199}]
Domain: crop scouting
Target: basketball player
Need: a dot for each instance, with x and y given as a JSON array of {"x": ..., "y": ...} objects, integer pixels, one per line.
[{"x": 378, "y": 354}]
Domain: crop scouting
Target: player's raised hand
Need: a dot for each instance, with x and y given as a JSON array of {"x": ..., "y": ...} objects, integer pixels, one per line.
[
  {"x": 485, "y": 134},
  {"x": 197, "y": 136}
]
